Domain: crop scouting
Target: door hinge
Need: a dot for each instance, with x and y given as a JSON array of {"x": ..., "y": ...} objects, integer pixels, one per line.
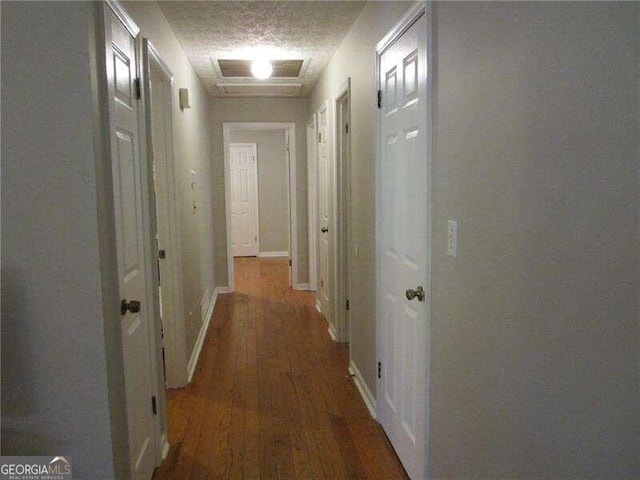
[
  {"x": 290, "y": 264},
  {"x": 256, "y": 239},
  {"x": 347, "y": 305},
  {"x": 162, "y": 253},
  {"x": 379, "y": 98},
  {"x": 138, "y": 88},
  {"x": 379, "y": 369},
  {"x": 346, "y": 128},
  {"x": 154, "y": 406},
  {"x": 319, "y": 137}
]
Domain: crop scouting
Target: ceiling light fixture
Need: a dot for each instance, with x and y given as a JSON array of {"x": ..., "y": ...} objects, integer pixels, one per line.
[{"x": 261, "y": 68}]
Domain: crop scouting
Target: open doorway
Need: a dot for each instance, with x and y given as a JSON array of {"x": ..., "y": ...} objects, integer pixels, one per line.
[{"x": 259, "y": 181}]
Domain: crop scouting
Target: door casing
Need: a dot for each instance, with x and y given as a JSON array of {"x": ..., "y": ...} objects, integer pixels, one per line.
[{"x": 290, "y": 128}]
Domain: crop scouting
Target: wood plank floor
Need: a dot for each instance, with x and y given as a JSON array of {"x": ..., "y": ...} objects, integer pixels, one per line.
[{"x": 271, "y": 396}]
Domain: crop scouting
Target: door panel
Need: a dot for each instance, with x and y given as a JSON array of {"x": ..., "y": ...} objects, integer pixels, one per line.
[
  {"x": 244, "y": 200},
  {"x": 324, "y": 287},
  {"x": 128, "y": 207},
  {"x": 404, "y": 263}
]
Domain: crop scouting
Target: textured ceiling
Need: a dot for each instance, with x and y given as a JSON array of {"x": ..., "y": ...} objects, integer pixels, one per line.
[{"x": 285, "y": 30}]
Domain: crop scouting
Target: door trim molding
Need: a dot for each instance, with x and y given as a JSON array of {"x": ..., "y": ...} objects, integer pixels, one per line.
[
  {"x": 290, "y": 127},
  {"x": 417, "y": 10}
]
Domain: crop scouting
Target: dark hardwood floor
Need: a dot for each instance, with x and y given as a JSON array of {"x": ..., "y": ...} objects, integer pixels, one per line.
[{"x": 271, "y": 396}]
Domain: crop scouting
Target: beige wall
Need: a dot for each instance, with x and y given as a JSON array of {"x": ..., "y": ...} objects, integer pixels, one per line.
[
  {"x": 273, "y": 179},
  {"x": 258, "y": 110},
  {"x": 355, "y": 59},
  {"x": 192, "y": 151},
  {"x": 535, "y": 364}
]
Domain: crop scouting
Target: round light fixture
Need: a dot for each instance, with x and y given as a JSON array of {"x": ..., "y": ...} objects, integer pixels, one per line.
[{"x": 261, "y": 68}]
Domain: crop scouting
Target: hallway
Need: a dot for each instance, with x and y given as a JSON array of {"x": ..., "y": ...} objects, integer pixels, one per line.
[{"x": 271, "y": 396}]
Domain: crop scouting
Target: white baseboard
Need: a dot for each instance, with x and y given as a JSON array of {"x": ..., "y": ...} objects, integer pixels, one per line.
[
  {"x": 301, "y": 286},
  {"x": 318, "y": 306},
  {"x": 273, "y": 254},
  {"x": 332, "y": 333},
  {"x": 362, "y": 387},
  {"x": 164, "y": 442},
  {"x": 208, "y": 313},
  {"x": 219, "y": 290}
]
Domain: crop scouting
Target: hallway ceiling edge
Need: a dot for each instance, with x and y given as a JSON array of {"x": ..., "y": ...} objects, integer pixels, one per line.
[{"x": 310, "y": 31}]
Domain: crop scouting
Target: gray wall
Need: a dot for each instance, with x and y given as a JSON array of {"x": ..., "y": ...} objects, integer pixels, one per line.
[
  {"x": 535, "y": 346},
  {"x": 273, "y": 181},
  {"x": 258, "y": 110},
  {"x": 192, "y": 151},
  {"x": 56, "y": 336}
]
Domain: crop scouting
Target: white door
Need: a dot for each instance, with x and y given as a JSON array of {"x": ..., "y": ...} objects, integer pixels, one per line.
[
  {"x": 325, "y": 196},
  {"x": 404, "y": 261},
  {"x": 244, "y": 199},
  {"x": 127, "y": 171}
]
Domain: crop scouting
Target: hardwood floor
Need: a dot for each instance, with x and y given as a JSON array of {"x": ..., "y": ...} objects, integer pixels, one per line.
[{"x": 271, "y": 396}]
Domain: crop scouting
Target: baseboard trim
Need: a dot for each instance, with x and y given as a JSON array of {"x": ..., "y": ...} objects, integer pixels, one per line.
[
  {"x": 219, "y": 290},
  {"x": 332, "y": 333},
  {"x": 164, "y": 442},
  {"x": 273, "y": 254},
  {"x": 318, "y": 306},
  {"x": 195, "y": 354},
  {"x": 301, "y": 286},
  {"x": 362, "y": 387}
]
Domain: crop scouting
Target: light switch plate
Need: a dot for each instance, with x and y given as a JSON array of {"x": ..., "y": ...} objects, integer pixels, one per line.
[{"x": 452, "y": 238}]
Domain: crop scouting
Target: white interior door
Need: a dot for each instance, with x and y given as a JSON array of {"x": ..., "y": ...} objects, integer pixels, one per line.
[
  {"x": 404, "y": 260},
  {"x": 130, "y": 242},
  {"x": 244, "y": 199},
  {"x": 325, "y": 196}
]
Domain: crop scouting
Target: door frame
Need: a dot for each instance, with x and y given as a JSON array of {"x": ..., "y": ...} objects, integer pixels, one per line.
[
  {"x": 290, "y": 127},
  {"x": 174, "y": 328},
  {"x": 254, "y": 146},
  {"x": 342, "y": 213},
  {"x": 312, "y": 198},
  {"x": 408, "y": 19}
]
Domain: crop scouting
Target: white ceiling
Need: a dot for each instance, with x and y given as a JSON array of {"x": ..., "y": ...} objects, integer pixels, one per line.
[{"x": 306, "y": 30}]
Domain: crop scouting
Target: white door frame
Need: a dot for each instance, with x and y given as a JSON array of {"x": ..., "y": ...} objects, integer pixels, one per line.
[
  {"x": 290, "y": 127},
  {"x": 342, "y": 209},
  {"x": 254, "y": 146},
  {"x": 175, "y": 343},
  {"x": 312, "y": 198},
  {"x": 414, "y": 12}
]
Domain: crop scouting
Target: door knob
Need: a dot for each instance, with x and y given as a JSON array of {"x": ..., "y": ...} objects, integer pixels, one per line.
[
  {"x": 324, "y": 229},
  {"x": 418, "y": 292},
  {"x": 133, "y": 306}
]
